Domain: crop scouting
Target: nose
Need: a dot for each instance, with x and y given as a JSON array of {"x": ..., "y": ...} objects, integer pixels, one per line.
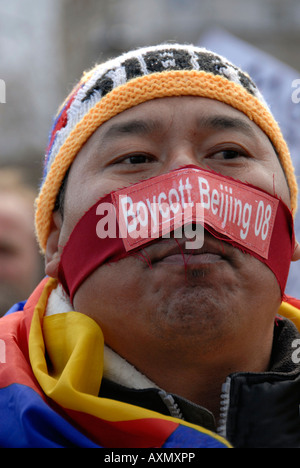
[{"x": 183, "y": 156}]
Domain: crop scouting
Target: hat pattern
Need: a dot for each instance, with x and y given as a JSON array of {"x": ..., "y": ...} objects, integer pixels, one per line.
[{"x": 155, "y": 61}]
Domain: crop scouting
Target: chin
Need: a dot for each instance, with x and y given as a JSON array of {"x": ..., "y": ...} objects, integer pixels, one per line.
[{"x": 196, "y": 311}]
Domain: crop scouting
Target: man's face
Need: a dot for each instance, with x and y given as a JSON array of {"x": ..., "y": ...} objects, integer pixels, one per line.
[{"x": 222, "y": 293}]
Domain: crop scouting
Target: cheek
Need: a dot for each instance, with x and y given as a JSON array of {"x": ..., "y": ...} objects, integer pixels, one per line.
[
  {"x": 282, "y": 190},
  {"x": 111, "y": 288},
  {"x": 268, "y": 176},
  {"x": 274, "y": 182},
  {"x": 261, "y": 286}
]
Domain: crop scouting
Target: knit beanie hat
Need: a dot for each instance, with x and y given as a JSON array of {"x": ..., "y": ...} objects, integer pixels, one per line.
[{"x": 139, "y": 76}]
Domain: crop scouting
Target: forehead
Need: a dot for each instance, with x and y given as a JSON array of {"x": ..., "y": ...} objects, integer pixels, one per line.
[{"x": 183, "y": 111}]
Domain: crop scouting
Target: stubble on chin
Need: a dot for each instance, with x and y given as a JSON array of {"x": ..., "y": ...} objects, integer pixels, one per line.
[{"x": 195, "y": 312}]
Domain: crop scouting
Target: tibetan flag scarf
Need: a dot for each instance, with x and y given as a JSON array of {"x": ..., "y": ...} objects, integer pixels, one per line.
[{"x": 50, "y": 376}]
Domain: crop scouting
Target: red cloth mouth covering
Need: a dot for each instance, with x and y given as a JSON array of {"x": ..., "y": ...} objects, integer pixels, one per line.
[{"x": 125, "y": 221}]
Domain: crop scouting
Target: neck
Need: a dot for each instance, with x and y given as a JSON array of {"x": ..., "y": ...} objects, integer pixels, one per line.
[{"x": 200, "y": 380}]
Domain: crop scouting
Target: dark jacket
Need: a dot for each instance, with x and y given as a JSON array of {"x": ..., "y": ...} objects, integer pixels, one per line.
[{"x": 256, "y": 410}]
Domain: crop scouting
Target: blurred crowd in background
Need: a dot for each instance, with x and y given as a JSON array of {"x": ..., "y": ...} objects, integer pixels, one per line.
[
  {"x": 21, "y": 265},
  {"x": 44, "y": 47}
]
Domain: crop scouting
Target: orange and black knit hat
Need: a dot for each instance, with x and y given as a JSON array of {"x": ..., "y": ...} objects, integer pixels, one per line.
[{"x": 139, "y": 76}]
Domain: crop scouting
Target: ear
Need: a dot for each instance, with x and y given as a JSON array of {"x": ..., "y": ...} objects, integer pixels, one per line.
[
  {"x": 296, "y": 254},
  {"x": 53, "y": 253}
]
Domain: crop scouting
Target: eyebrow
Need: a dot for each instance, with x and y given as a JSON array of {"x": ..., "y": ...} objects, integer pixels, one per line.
[
  {"x": 223, "y": 122},
  {"x": 147, "y": 126},
  {"x": 131, "y": 127}
]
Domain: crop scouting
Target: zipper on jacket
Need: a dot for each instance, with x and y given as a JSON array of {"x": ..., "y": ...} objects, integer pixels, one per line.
[
  {"x": 171, "y": 404},
  {"x": 224, "y": 407}
]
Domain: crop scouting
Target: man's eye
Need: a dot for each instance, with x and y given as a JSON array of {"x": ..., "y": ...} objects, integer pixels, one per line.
[
  {"x": 228, "y": 154},
  {"x": 137, "y": 159}
]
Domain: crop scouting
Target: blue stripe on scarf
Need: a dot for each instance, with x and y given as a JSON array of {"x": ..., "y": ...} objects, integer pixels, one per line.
[
  {"x": 186, "y": 437},
  {"x": 28, "y": 422}
]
